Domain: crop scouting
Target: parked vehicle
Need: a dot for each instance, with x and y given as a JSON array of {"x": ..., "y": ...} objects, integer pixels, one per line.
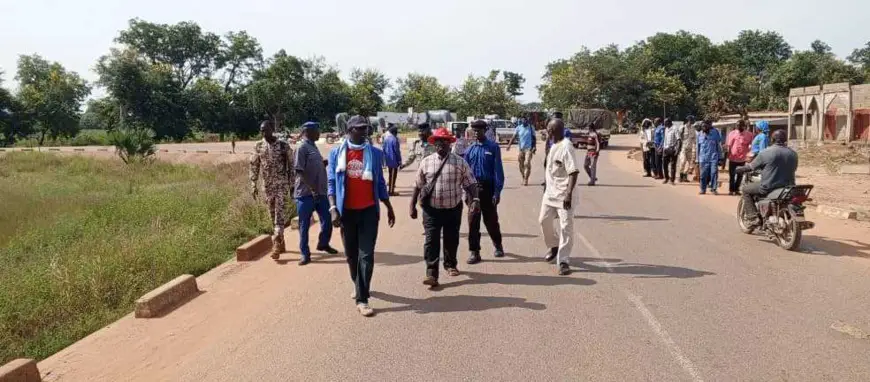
[
  {"x": 781, "y": 214},
  {"x": 578, "y": 119}
]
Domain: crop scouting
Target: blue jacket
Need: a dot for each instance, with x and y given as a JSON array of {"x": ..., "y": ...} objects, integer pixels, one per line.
[
  {"x": 485, "y": 162},
  {"x": 659, "y": 136},
  {"x": 760, "y": 142},
  {"x": 336, "y": 180},
  {"x": 709, "y": 146},
  {"x": 392, "y": 151}
]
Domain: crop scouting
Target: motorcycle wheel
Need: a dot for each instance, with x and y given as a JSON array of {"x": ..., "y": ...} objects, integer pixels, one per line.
[
  {"x": 790, "y": 239},
  {"x": 741, "y": 221}
]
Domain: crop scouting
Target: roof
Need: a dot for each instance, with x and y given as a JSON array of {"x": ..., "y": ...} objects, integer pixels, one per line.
[{"x": 757, "y": 115}]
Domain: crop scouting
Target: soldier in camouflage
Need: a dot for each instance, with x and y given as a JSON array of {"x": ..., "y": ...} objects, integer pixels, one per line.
[
  {"x": 421, "y": 148},
  {"x": 274, "y": 159},
  {"x": 688, "y": 142}
]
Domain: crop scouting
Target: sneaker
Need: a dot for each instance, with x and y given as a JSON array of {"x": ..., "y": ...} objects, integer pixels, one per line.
[
  {"x": 702, "y": 193},
  {"x": 715, "y": 192},
  {"x": 452, "y": 272},
  {"x": 552, "y": 255},
  {"x": 474, "y": 257},
  {"x": 666, "y": 181},
  {"x": 365, "y": 310},
  {"x": 647, "y": 175},
  {"x": 353, "y": 295},
  {"x": 590, "y": 183},
  {"x": 498, "y": 253},
  {"x": 431, "y": 281},
  {"x": 564, "y": 269},
  {"x": 304, "y": 260},
  {"x": 328, "y": 249},
  {"x": 673, "y": 183}
]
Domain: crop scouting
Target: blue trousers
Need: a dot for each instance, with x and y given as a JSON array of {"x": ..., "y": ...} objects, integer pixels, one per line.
[
  {"x": 305, "y": 207},
  {"x": 709, "y": 175}
]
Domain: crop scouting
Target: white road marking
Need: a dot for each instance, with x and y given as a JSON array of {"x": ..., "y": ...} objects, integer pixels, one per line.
[{"x": 654, "y": 324}]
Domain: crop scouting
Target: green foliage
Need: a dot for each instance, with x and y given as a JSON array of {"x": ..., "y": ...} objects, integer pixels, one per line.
[
  {"x": 94, "y": 247},
  {"x": 50, "y": 96},
  {"x": 367, "y": 91},
  {"x": 726, "y": 89},
  {"x": 814, "y": 67},
  {"x": 861, "y": 58},
  {"x": 488, "y": 95},
  {"x": 133, "y": 145},
  {"x": 421, "y": 92},
  {"x": 101, "y": 114}
]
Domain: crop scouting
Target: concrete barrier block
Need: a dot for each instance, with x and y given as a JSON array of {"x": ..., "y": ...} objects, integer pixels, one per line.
[
  {"x": 26, "y": 149},
  {"x": 53, "y": 149},
  {"x": 856, "y": 169},
  {"x": 254, "y": 249},
  {"x": 102, "y": 149},
  {"x": 836, "y": 212},
  {"x": 202, "y": 151},
  {"x": 78, "y": 149},
  {"x": 167, "y": 297},
  {"x": 20, "y": 370}
]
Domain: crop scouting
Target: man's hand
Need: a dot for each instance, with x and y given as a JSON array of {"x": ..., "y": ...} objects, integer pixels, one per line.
[
  {"x": 533, "y": 150},
  {"x": 336, "y": 218},
  {"x": 567, "y": 203},
  {"x": 391, "y": 216},
  {"x": 475, "y": 207},
  {"x": 413, "y": 212},
  {"x": 495, "y": 200}
]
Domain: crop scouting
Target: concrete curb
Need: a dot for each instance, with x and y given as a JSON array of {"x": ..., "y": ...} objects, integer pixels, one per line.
[
  {"x": 167, "y": 297},
  {"x": 836, "y": 212},
  {"x": 20, "y": 370},
  {"x": 254, "y": 249}
]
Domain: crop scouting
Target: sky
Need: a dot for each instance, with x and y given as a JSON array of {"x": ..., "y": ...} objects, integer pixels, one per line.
[{"x": 449, "y": 39}]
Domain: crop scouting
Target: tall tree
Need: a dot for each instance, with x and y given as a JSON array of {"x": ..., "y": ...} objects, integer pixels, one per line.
[
  {"x": 280, "y": 89},
  {"x": 514, "y": 82},
  {"x": 861, "y": 58},
  {"x": 814, "y": 67},
  {"x": 101, "y": 114},
  {"x": 727, "y": 89},
  {"x": 210, "y": 107},
  {"x": 14, "y": 123},
  {"x": 240, "y": 54},
  {"x": 51, "y": 95},
  {"x": 367, "y": 90},
  {"x": 421, "y": 92},
  {"x": 758, "y": 52}
]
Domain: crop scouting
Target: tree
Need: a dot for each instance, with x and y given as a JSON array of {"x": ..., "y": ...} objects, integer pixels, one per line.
[
  {"x": 813, "y": 67},
  {"x": 820, "y": 47},
  {"x": 210, "y": 107},
  {"x": 239, "y": 56},
  {"x": 51, "y": 96},
  {"x": 14, "y": 124},
  {"x": 758, "y": 52},
  {"x": 861, "y": 58},
  {"x": 281, "y": 88},
  {"x": 726, "y": 89},
  {"x": 101, "y": 114},
  {"x": 487, "y": 95},
  {"x": 367, "y": 90},
  {"x": 184, "y": 47},
  {"x": 514, "y": 83},
  {"x": 421, "y": 92}
]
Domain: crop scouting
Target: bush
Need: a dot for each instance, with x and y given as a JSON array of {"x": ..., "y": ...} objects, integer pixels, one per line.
[{"x": 133, "y": 145}]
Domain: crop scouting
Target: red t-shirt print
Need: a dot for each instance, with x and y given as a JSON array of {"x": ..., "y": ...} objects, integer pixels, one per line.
[{"x": 359, "y": 194}]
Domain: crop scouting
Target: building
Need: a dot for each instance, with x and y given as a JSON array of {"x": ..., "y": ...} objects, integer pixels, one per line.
[
  {"x": 830, "y": 113},
  {"x": 775, "y": 119}
]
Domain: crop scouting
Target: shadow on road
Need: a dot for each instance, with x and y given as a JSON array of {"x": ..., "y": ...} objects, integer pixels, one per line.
[
  {"x": 449, "y": 304},
  {"x": 504, "y": 234},
  {"x": 851, "y": 248},
  {"x": 640, "y": 270},
  {"x": 514, "y": 258},
  {"x": 619, "y": 218},
  {"x": 475, "y": 278},
  {"x": 381, "y": 258},
  {"x": 620, "y": 148},
  {"x": 599, "y": 185}
]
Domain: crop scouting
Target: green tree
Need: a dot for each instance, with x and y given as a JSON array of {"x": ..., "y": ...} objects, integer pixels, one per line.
[
  {"x": 758, "y": 52},
  {"x": 492, "y": 94},
  {"x": 813, "y": 67},
  {"x": 281, "y": 89},
  {"x": 210, "y": 107},
  {"x": 514, "y": 83},
  {"x": 861, "y": 58},
  {"x": 14, "y": 123},
  {"x": 101, "y": 114},
  {"x": 51, "y": 96},
  {"x": 727, "y": 89},
  {"x": 367, "y": 91},
  {"x": 421, "y": 92},
  {"x": 240, "y": 54}
]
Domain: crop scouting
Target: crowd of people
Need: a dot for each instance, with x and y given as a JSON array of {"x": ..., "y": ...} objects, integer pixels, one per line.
[
  {"x": 696, "y": 151},
  {"x": 456, "y": 170}
]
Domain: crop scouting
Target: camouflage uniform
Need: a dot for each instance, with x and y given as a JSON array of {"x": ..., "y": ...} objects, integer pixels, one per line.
[
  {"x": 418, "y": 151},
  {"x": 275, "y": 160},
  {"x": 686, "y": 160}
]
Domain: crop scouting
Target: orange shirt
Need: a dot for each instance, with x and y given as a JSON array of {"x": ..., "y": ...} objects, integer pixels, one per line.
[{"x": 360, "y": 194}]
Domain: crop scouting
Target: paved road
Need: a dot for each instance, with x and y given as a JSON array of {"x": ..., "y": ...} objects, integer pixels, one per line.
[{"x": 665, "y": 289}]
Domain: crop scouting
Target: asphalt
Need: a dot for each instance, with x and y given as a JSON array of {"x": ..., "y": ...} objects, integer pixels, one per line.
[{"x": 665, "y": 288}]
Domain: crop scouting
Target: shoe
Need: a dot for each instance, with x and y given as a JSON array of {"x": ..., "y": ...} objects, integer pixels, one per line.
[
  {"x": 715, "y": 192},
  {"x": 277, "y": 249},
  {"x": 666, "y": 181},
  {"x": 328, "y": 249},
  {"x": 737, "y": 193},
  {"x": 552, "y": 256},
  {"x": 474, "y": 258},
  {"x": 702, "y": 193},
  {"x": 564, "y": 269},
  {"x": 304, "y": 260},
  {"x": 590, "y": 184},
  {"x": 353, "y": 295},
  {"x": 452, "y": 272},
  {"x": 498, "y": 253},
  {"x": 673, "y": 183},
  {"x": 647, "y": 175},
  {"x": 365, "y": 310},
  {"x": 431, "y": 281}
]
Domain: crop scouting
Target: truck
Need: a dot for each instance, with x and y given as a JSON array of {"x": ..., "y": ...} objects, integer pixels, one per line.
[{"x": 577, "y": 121}]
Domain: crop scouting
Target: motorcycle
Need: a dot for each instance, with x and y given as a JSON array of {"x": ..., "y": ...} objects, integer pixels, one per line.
[{"x": 780, "y": 213}]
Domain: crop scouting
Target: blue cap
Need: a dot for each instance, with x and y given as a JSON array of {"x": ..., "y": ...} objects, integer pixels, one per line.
[
  {"x": 358, "y": 121},
  {"x": 763, "y": 126},
  {"x": 310, "y": 125}
]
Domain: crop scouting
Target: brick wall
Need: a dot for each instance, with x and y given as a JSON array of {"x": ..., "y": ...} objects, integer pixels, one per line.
[{"x": 861, "y": 96}]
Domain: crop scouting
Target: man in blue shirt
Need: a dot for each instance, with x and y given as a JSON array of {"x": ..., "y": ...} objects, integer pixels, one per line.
[
  {"x": 526, "y": 134},
  {"x": 709, "y": 152},
  {"x": 484, "y": 159},
  {"x": 659, "y": 141}
]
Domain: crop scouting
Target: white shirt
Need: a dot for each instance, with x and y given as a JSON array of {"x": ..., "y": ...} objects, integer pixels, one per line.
[
  {"x": 561, "y": 162},
  {"x": 646, "y": 135},
  {"x": 672, "y": 137}
]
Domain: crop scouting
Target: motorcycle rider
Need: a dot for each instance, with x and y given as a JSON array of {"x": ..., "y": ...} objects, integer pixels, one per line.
[{"x": 778, "y": 165}]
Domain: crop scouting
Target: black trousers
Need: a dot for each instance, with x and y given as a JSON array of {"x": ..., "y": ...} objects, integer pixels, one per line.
[
  {"x": 489, "y": 213},
  {"x": 659, "y": 162},
  {"x": 669, "y": 165},
  {"x": 359, "y": 231},
  {"x": 435, "y": 222},
  {"x": 649, "y": 158},
  {"x": 751, "y": 192},
  {"x": 734, "y": 179}
]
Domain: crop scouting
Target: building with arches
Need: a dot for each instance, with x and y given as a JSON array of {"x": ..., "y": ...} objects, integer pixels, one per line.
[{"x": 830, "y": 113}]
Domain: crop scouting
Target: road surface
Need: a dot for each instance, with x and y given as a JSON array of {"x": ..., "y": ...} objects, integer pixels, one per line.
[{"x": 665, "y": 288}]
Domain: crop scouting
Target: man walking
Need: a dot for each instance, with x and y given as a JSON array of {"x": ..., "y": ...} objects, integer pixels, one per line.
[
  {"x": 392, "y": 156},
  {"x": 647, "y": 145},
  {"x": 669, "y": 151},
  {"x": 484, "y": 159},
  {"x": 738, "y": 144},
  {"x": 356, "y": 183},
  {"x": 559, "y": 199},
  {"x": 421, "y": 148},
  {"x": 686, "y": 159},
  {"x": 593, "y": 149},
  {"x": 709, "y": 152},
  {"x": 273, "y": 160},
  {"x": 526, "y": 134},
  {"x": 659, "y": 141},
  {"x": 440, "y": 182},
  {"x": 311, "y": 193}
]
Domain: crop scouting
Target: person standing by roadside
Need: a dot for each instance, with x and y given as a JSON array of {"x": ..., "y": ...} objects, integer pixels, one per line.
[
  {"x": 709, "y": 153},
  {"x": 557, "y": 204},
  {"x": 593, "y": 149},
  {"x": 738, "y": 144},
  {"x": 527, "y": 141},
  {"x": 311, "y": 192},
  {"x": 461, "y": 145},
  {"x": 273, "y": 159},
  {"x": 647, "y": 145},
  {"x": 762, "y": 140},
  {"x": 421, "y": 148},
  {"x": 441, "y": 181},
  {"x": 669, "y": 151},
  {"x": 392, "y": 156},
  {"x": 686, "y": 160},
  {"x": 355, "y": 185},
  {"x": 659, "y": 140},
  {"x": 484, "y": 159}
]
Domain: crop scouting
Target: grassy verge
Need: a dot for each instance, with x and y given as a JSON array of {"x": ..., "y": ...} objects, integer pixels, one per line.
[{"x": 81, "y": 239}]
